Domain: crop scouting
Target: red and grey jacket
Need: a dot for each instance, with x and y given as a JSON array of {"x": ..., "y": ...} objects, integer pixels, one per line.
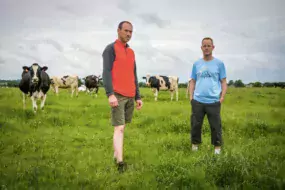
[{"x": 119, "y": 70}]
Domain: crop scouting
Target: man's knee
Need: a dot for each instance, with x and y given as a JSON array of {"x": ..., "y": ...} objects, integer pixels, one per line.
[{"x": 120, "y": 128}]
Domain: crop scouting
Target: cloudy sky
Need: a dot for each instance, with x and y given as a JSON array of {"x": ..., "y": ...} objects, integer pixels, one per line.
[{"x": 69, "y": 36}]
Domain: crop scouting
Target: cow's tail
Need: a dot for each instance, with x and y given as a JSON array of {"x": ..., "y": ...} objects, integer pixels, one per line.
[{"x": 177, "y": 80}]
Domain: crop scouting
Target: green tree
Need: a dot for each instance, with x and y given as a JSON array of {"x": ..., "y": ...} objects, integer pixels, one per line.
[
  {"x": 257, "y": 84},
  {"x": 239, "y": 83},
  {"x": 79, "y": 81},
  {"x": 231, "y": 82}
]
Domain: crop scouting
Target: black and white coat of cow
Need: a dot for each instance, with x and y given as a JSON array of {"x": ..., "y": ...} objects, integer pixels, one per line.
[
  {"x": 35, "y": 83},
  {"x": 92, "y": 83},
  {"x": 162, "y": 83}
]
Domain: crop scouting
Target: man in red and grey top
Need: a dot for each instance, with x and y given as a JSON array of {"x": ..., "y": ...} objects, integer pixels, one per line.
[{"x": 121, "y": 86}]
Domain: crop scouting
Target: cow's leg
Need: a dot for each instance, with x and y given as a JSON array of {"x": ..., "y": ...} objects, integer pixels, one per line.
[
  {"x": 72, "y": 91},
  {"x": 24, "y": 100},
  {"x": 34, "y": 100},
  {"x": 97, "y": 91},
  {"x": 171, "y": 92},
  {"x": 76, "y": 91},
  {"x": 56, "y": 90},
  {"x": 171, "y": 95},
  {"x": 176, "y": 94},
  {"x": 43, "y": 98},
  {"x": 155, "y": 95}
]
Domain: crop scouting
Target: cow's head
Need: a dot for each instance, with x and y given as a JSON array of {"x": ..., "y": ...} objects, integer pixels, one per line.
[
  {"x": 34, "y": 71},
  {"x": 147, "y": 79},
  {"x": 99, "y": 78},
  {"x": 94, "y": 78}
]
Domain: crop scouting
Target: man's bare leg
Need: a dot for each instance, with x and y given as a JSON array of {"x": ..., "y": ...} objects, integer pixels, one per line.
[
  {"x": 114, "y": 145},
  {"x": 118, "y": 142}
]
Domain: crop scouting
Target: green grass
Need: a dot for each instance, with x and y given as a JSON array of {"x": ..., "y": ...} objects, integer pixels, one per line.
[{"x": 69, "y": 144}]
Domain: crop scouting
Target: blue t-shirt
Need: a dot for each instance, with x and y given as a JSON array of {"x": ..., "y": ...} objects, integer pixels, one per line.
[{"x": 208, "y": 76}]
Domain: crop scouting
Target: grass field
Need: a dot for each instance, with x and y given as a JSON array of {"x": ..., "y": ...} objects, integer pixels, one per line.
[{"x": 69, "y": 144}]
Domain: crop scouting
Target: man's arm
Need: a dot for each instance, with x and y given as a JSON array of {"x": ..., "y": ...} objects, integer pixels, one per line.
[
  {"x": 137, "y": 97},
  {"x": 224, "y": 87},
  {"x": 108, "y": 59},
  {"x": 192, "y": 88},
  {"x": 223, "y": 80},
  {"x": 192, "y": 82}
]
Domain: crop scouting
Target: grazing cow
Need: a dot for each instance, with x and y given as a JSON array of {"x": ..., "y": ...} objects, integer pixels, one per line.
[
  {"x": 279, "y": 84},
  {"x": 82, "y": 88},
  {"x": 68, "y": 81},
  {"x": 92, "y": 83},
  {"x": 163, "y": 83},
  {"x": 35, "y": 82}
]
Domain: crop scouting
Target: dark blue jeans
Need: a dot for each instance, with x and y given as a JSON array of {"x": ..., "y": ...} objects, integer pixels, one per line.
[{"x": 199, "y": 110}]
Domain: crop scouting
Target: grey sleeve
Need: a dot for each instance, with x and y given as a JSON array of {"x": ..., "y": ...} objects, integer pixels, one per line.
[
  {"x": 137, "y": 97},
  {"x": 108, "y": 59}
]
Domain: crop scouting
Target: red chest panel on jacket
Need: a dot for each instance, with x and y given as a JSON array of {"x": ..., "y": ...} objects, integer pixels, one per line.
[{"x": 123, "y": 70}]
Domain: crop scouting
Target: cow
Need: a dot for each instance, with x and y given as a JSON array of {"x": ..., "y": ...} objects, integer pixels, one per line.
[
  {"x": 162, "y": 83},
  {"x": 35, "y": 83},
  {"x": 82, "y": 88},
  {"x": 92, "y": 83},
  {"x": 279, "y": 84},
  {"x": 67, "y": 81}
]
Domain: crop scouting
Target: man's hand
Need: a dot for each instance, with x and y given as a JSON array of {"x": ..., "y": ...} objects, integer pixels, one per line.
[
  {"x": 221, "y": 99},
  {"x": 113, "y": 101},
  {"x": 139, "y": 104}
]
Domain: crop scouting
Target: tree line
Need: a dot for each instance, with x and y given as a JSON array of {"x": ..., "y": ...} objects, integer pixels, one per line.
[{"x": 237, "y": 83}]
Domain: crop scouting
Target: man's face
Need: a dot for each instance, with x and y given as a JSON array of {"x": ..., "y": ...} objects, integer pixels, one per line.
[
  {"x": 125, "y": 34},
  {"x": 207, "y": 47}
]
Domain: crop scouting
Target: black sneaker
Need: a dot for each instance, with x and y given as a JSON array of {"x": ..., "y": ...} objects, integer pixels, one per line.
[{"x": 121, "y": 167}]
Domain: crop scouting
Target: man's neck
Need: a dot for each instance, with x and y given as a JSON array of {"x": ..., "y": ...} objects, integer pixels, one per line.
[
  {"x": 125, "y": 43},
  {"x": 208, "y": 58}
]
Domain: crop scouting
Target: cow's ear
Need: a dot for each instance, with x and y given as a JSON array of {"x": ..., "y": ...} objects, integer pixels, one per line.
[
  {"x": 25, "y": 68},
  {"x": 44, "y": 68}
]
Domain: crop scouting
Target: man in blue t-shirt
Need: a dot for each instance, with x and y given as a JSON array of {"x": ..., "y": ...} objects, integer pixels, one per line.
[{"x": 207, "y": 91}]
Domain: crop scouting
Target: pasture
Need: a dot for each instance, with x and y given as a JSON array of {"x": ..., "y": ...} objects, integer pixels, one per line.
[{"x": 69, "y": 144}]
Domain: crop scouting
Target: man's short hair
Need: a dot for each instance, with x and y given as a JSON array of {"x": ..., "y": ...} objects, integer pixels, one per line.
[
  {"x": 121, "y": 24},
  {"x": 208, "y": 38}
]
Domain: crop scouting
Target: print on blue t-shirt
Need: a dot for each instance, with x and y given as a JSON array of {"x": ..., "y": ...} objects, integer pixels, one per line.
[{"x": 208, "y": 76}]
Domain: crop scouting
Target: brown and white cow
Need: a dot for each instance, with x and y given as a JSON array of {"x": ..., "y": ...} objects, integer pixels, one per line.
[
  {"x": 68, "y": 81},
  {"x": 162, "y": 83}
]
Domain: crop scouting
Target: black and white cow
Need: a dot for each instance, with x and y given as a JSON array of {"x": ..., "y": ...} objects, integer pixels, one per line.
[
  {"x": 162, "y": 83},
  {"x": 35, "y": 83},
  {"x": 92, "y": 83}
]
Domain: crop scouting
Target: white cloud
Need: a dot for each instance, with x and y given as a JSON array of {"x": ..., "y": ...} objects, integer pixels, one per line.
[{"x": 69, "y": 36}]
